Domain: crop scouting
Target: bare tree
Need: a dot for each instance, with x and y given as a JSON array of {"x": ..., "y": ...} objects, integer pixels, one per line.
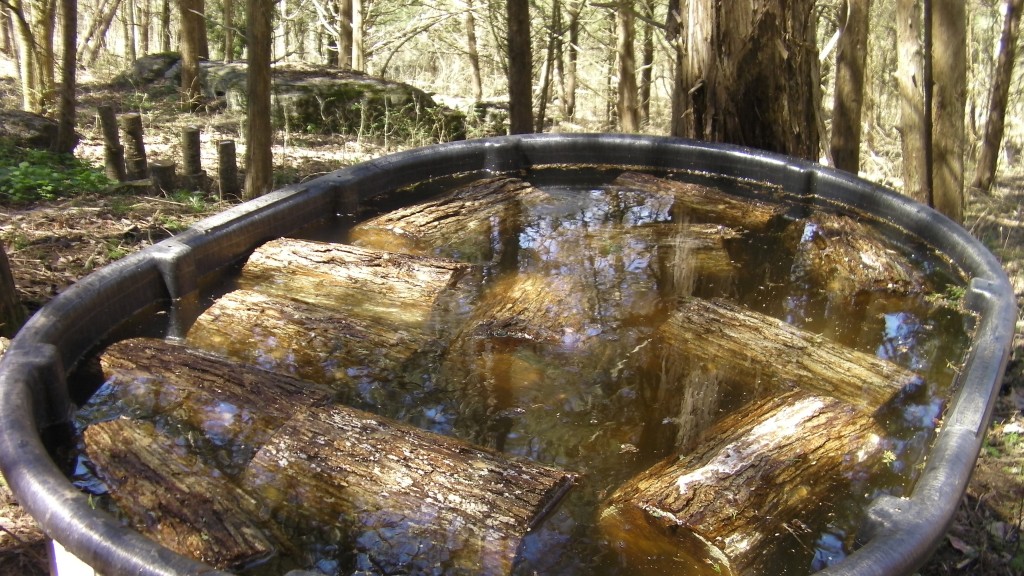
[
  {"x": 344, "y": 41},
  {"x": 65, "y": 141},
  {"x": 259, "y": 133},
  {"x": 520, "y": 67},
  {"x": 988, "y": 158},
  {"x": 949, "y": 69},
  {"x": 190, "y": 18},
  {"x": 358, "y": 47},
  {"x": 849, "y": 93},
  {"x": 476, "y": 83},
  {"x": 910, "y": 80},
  {"x": 627, "y": 107},
  {"x": 229, "y": 30}
]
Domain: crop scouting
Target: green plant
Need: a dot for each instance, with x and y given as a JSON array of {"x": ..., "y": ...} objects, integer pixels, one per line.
[{"x": 28, "y": 175}]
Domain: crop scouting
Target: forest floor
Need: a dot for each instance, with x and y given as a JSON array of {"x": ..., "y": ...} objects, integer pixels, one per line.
[{"x": 53, "y": 244}]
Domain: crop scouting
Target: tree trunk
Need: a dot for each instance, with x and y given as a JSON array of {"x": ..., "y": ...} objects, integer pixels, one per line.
[
  {"x": 572, "y": 54},
  {"x": 202, "y": 38},
  {"x": 12, "y": 313},
  {"x": 849, "y": 94},
  {"x": 520, "y": 68},
  {"x": 229, "y": 30},
  {"x": 190, "y": 24},
  {"x": 748, "y": 347},
  {"x": 129, "y": 31},
  {"x": 749, "y": 75},
  {"x": 93, "y": 42},
  {"x": 628, "y": 111},
  {"x": 548, "y": 69},
  {"x": 988, "y": 159},
  {"x": 910, "y": 80},
  {"x": 6, "y": 37},
  {"x": 358, "y": 44},
  {"x": 949, "y": 68},
  {"x": 476, "y": 84},
  {"x": 345, "y": 34},
  {"x": 721, "y": 508},
  {"x": 145, "y": 18},
  {"x": 66, "y": 137},
  {"x": 28, "y": 69},
  {"x": 165, "y": 25},
  {"x": 647, "y": 68},
  {"x": 258, "y": 133}
]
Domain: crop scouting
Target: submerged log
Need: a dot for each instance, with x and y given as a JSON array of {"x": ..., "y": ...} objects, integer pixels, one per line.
[
  {"x": 235, "y": 406},
  {"x": 843, "y": 257},
  {"x": 721, "y": 508},
  {"x": 700, "y": 203},
  {"x": 362, "y": 360},
  {"x": 398, "y": 290},
  {"x": 170, "y": 495},
  {"x": 740, "y": 344},
  {"x": 399, "y": 499},
  {"x": 478, "y": 222}
]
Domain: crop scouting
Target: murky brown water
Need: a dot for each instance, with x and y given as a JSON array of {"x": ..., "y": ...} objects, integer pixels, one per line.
[{"x": 550, "y": 347}]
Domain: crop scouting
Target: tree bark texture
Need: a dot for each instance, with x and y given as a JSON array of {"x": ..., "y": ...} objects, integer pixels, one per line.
[
  {"x": 949, "y": 68},
  {"x": 472, "y": 53},
  {"x": 520, "y": 68},
  {"x": 748, "y": 75},
  {"x": 849, "y": 94},
  {"x": 162, "y": 174},
  {"x": 761, "y": 351},
  {"x": 191, "y": 21},
  {"x": 172, "y": 496},
  {"x": 404, "y": 500},
  {"x": 258, "y": 132},
  {"x": 988, "y": 157},
  {"x": 460, "y": 224},
  {"x": 716, "y": 509},
  {"x": 136, "y": 165},
  {"x": 627, "y": 106},
  {"x": 12, "y": 313},
  {"x": 227, "y": 170},
  {"x": 843, "y": 256},
  {"x": 910, "y": 81},
  {"x": 66, "y": 136},
  {"x": 234, "y": 407},
  {"x": 345, "y": 34},
  {"x": 113, "y": 151},
  {"x": 358, "y": 44},
  {"x": 229, "y": 30}
]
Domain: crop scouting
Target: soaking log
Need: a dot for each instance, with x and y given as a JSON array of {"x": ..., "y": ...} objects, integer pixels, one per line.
[
  {"x": 172, "y": 496},
  {"x": 478, "y": 222},
  {"x": 701, "y": 203},
  {"x": 398, "y": 499},
  {"x": 393, "y": 289},
  {"x": 235, "y": 406},
  {"x": 720, "y": 508},
  {"x": 842, "y": 256},
  {"x": 744, "y": 345}
]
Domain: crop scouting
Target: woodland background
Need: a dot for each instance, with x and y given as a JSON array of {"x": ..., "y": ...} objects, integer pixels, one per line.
[{"x": 920, "y": 95}]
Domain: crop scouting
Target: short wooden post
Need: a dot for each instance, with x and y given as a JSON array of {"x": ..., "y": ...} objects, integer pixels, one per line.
[
  {"x": 161, "y": 172},
  {"x": 227, "y": 170},
  {"x": 113, "y": 151},
  {"x": 193, "y": 177},
  {"x": 135, "y": 149}
]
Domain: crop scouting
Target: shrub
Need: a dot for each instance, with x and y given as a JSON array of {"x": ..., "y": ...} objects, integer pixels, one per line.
[{"x": 28, "y": 175}]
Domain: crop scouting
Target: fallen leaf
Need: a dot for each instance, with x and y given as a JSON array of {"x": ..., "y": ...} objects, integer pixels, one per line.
[{"x": 961, "y": 546}]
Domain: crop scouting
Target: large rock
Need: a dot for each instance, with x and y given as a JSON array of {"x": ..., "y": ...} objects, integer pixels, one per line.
[
  {"x": 153, "y": 68},
  {"x": 27, "y": 130},
  {"x": 309, "y": 99}
]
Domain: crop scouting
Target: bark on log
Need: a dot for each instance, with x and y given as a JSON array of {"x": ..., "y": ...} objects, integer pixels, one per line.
[
  {"x": 135, "y": 149},
  {"x": 462, "y": 224},
  {"x": 746, "y": 346},
  {"x": 170, "y": 495},
  {"x": 161, "y": 173},
  {"x": 396, "y": 290},
  {"x": 113, "y": 151},
  {"x": 363, "y": 360},
  {"x": 699, "y": 203},
  {"x": 843, "y": 257},
  {"x": 227, "y": 170},
  {"x": 403, "y": 500},
  {"x": 720, "y": 508},
  {"x": 193, "y": 175},
  {"x": 236, "y": 407}
]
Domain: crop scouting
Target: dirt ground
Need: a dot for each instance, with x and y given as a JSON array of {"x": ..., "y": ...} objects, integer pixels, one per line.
[{"x": 53, "y": 244}]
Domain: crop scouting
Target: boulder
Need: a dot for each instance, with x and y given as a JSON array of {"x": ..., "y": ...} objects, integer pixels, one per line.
[
  {"x": 152, "y": 68},
  {"x": 27, "y": 129},
  {"x": 317, "y": 99}
]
